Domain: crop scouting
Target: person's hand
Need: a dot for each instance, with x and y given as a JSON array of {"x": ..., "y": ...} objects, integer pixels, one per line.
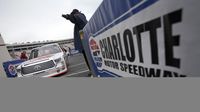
[{"x": 66, "y": 16}]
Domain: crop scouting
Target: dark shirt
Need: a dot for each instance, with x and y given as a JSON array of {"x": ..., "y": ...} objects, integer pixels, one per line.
[
  {"x": 23, "y": 56},
  {"x": 80, "y": 21}
]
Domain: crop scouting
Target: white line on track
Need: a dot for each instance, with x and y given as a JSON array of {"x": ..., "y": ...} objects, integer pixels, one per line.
[
  {"x": 77, "y": 73},
  {"x": 76, "y": 65}
]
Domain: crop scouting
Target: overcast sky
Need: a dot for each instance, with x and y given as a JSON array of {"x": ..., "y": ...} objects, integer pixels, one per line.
[{"x": 38, "y": 20}]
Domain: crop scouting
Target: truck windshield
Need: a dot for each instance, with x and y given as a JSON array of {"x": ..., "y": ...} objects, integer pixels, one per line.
[{"x": 44, "y": 50}]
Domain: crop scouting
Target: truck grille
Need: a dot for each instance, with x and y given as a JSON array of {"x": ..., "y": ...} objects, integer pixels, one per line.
[{"x": 37, "y": 67}]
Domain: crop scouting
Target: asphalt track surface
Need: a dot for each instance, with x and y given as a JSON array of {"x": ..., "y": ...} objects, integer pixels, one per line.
[{"x": 77, "y": 66}]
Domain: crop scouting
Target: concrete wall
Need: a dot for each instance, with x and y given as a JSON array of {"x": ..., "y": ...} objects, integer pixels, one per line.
[{"x": 4, "y": 56}]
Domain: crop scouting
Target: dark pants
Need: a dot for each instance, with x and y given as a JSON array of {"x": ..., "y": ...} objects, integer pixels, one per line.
[{"x": 86, "y": 60}]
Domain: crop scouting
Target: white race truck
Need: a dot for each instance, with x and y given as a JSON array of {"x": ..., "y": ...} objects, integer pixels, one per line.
[{"x": 46, "y": 61}]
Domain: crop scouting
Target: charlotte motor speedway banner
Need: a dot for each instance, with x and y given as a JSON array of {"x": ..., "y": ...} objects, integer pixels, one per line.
[{"x": 144, "y": 38}]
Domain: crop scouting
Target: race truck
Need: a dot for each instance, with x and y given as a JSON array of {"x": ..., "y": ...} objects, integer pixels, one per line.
[{"x": 45, "y": 61}]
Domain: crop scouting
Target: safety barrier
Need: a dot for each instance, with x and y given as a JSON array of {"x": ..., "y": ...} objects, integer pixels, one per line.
[
  {"x": 10, "y": 67},
  {"x": 144, "y": 38},
  {"x": 4, "y": 56}
]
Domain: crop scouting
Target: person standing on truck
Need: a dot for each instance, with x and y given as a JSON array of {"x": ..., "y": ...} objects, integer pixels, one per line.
[{"x": 79, "y": 20}]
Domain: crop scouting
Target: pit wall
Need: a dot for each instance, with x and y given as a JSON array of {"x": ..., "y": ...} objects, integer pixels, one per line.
[{"x": 144, "y": 38}]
